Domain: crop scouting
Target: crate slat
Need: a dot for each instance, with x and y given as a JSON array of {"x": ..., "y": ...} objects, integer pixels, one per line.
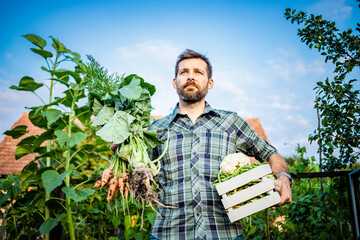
[
  {"x": 248, "y": 193},
  {"x": 243, "y": 179},
  {"x": 255, "y": 206}
]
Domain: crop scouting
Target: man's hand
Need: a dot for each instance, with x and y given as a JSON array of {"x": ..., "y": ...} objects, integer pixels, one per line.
[
  {"x": 278, "y": 164},
  {"x": 282, "y": 186}
]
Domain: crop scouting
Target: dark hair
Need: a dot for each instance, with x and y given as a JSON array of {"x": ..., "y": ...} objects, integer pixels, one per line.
[{"x": 188, "y": 54}]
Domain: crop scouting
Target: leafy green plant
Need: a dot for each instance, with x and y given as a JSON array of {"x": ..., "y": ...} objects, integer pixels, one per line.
[
  {"x": 58, "y": 151},
  {"x": 52, "y": 195},
  {"x": 337, "y": 101},
  {"x": 122, "y": 107}
]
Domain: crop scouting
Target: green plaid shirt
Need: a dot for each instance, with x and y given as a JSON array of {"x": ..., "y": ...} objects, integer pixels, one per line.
[{"x": 190, "y": 167}]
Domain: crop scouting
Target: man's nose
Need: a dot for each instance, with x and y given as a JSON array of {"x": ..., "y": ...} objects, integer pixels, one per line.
[{"x": 190, "y": 76}]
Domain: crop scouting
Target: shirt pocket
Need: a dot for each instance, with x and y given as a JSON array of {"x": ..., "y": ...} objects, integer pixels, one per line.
[{"x": 216, "y": 144}]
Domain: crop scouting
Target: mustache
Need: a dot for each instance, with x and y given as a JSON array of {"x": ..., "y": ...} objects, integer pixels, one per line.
[{"x": 191, "y": 83}]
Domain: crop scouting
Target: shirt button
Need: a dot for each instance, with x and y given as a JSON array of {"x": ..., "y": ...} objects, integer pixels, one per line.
[
  {"x": 194, "y": 153},
  {"x": 197, "y": 214}
]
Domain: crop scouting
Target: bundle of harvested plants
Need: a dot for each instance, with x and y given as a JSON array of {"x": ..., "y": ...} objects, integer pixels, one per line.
[{"x": 122, "y": 107}]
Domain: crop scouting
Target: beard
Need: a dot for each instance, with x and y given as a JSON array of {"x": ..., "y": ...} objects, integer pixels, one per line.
[{"x": 191, "y": 96}]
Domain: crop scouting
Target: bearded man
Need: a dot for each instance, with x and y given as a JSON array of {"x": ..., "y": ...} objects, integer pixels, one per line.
[{"x": 200, "y": 137}]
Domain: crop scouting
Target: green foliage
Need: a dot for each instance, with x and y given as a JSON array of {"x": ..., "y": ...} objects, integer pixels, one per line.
[
  {"x": 53, "y": 193},
  {"x": 337, "y": 101},
  {"x": 52, "y": 179},
  {"x": 50, "y": 223},
  {"x": 58, "y": 150}
]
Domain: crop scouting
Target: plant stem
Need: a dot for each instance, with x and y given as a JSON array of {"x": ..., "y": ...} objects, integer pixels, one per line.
[
  {"x": 320, "y": 146},
  {"x": 67, "y": 178},
  {"x": 48, "y": 145},
  {"x": 2, "y": 233},
  {"x": 267, "y": 224}
]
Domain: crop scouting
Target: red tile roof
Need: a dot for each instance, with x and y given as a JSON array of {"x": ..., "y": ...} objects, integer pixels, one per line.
[{"x": 8, "y": 164}]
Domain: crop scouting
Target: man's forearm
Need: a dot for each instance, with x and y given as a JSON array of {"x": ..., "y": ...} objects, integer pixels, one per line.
[
  {"x": 283, "y": 183},
  {"x": 278, "y": 164}
]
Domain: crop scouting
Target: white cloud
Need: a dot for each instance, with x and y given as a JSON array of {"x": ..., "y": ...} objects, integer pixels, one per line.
[
  {"x": 297, "y": 121},
  {"x": 336, "y": 10},
  {"x": 10, "y": 95},
  {"x": 281, "y": 106},
  {"x": 156, "y": 49},
  {"x": 289, "y": 69}
]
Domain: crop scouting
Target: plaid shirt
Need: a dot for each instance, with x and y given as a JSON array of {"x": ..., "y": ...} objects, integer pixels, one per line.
[{"x": 190, "y": 167}]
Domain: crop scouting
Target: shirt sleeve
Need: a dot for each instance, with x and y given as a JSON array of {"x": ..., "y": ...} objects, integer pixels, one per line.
[{"x": 251, "y": 144}]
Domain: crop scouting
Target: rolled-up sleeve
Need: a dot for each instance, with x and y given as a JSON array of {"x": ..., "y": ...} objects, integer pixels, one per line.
[{"x": 251, "y": 144}]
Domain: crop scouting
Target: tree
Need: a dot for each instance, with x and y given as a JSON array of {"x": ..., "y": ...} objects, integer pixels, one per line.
[{"x": 337, "y": 101}]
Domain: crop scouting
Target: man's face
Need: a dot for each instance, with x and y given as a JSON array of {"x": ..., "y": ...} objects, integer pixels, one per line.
[{"x": 192, "y": 83}]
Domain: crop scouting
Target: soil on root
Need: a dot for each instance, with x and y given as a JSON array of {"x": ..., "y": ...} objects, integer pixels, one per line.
[{"x": 144, "y": 187}]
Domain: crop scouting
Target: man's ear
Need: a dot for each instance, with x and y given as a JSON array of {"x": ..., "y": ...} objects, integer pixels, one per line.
[
  {"x": 174, "y": 83},
  {"x": 210, "y": 83}
]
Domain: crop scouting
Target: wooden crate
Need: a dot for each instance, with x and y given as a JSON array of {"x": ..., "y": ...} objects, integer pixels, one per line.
[{"x": 266, "y": 185}]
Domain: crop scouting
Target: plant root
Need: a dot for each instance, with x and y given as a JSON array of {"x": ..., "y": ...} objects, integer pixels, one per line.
[{"x": 141, "y": 182}]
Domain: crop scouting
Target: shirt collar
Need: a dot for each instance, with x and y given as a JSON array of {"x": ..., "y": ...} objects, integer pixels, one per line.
[{"x": 208, "y": 110}]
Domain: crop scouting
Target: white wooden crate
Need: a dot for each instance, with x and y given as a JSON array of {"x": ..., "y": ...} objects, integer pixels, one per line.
[{"x": 266, "y": 185}]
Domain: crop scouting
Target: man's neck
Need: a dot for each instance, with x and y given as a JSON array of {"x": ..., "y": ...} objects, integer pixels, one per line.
[{"x": 193, "y": 110}]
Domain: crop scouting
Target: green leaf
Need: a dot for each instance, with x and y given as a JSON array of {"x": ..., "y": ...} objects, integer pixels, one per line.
[
  {"x": 77, "y": 196},
  {"x": 62, "y": 74},
  {"x": 75, "y": 54},
  {"x": 27, "y": 84},
  {"x": 252, "y": 231},
  {"x": 52, "y": 115},
  {"x": 35, "y": 39},
  {"x": 76, "y": 138},
  {"x": 27, "y": 141},
  {"x": 151, "y": 216},
  {"x": 4, "y": 197},
  {"x": 21, "y": 151},
  {"x": 52, "y": 179},
  {"x": 103, "y": 116},
  {"x": 17, "y": 131},
  {"x": 127, "y": 222},
  {"x": 58, "y": 46},
  {"x": 133, "y": 90},
  {"x": 45, "y": 54},
  {"x": 150, "y": 138},
  {"x": 151, "y": 88},
  {"x": 97, "y": 106},
  {"x": 62, "y": 136},
  {"x": 50, "y": 223},
  {"x": 117, "y": 129},
  {"x": 47, "y": 135},
  {"x": 83, "y": 114},
  {"x": 94, "y": 210}
]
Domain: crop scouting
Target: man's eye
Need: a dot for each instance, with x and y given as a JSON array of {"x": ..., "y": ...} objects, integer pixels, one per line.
[
  {"x": 198, "y": 72},
  {"x": 182, "y": 73}
]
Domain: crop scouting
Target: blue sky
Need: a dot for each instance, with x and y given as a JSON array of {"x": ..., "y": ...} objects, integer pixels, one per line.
[{"x": 261, "y": 69}]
